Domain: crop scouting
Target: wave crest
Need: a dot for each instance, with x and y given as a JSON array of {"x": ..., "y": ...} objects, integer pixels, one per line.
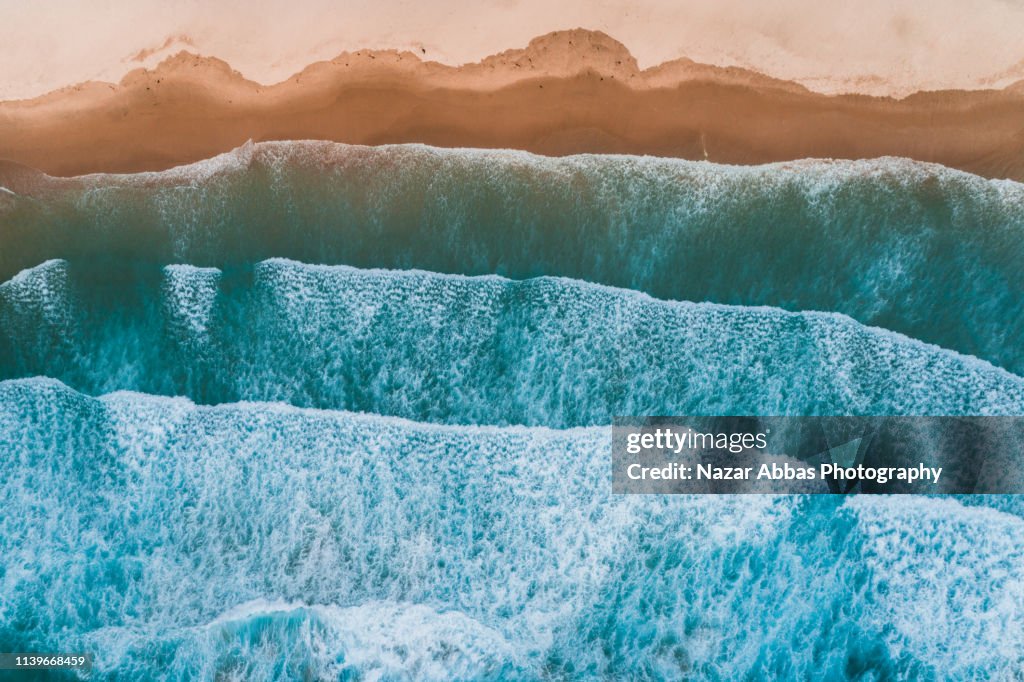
[
  {"x": 913, "y": 247},
  {"x": 463, "y": 543},
  {"x": 453, "y": 349}
]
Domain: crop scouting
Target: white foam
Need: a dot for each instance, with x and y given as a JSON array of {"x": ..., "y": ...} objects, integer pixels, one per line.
[
  {"x": 819, "y": 175},
  {"x": 953, "y": 576},
  {"x": 190, "y": 294}
]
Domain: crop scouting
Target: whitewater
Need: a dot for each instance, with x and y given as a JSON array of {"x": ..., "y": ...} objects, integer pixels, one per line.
[
  {"x": 317, "y": 411},
  {"x": 912, "y": 247},
  {"x": 259, "y": 541},
  {"x": 471, "y": 350}
]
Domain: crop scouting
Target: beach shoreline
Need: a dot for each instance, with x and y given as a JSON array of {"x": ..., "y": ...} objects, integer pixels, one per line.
[{"x": 567, "y": 92}]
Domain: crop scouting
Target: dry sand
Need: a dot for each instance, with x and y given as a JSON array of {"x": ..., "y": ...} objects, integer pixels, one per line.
[{"x": 567, "y": 92}]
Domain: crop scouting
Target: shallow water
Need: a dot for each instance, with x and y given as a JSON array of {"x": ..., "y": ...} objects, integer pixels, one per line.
[
  {"x": 466, "y": 350},
  {"x": 223, "y": 464},
  {"x": 259, "y": 541},
  {"x": 915, "y": 248}
]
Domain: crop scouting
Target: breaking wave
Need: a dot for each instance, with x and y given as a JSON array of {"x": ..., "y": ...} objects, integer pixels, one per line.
[
  {"x": 250, "y": 468},
  {"x": 452, "y": 349},
  {"x": 916, "y": 248},
  {"x": 256, "y": 541}
]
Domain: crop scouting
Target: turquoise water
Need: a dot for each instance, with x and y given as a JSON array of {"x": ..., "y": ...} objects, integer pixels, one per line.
[
  {"x": 265, "y": 541},
  {"x": 915, "y": 248},
  {"x": 223, "y": 464},
  {"x": 466, "y": 350}
]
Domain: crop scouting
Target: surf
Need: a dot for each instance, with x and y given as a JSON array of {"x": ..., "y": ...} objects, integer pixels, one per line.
[
  {"x": 257, "y": 540},
  {"x": 465, "y": 350},
  {"x": 913, "y": 247}
]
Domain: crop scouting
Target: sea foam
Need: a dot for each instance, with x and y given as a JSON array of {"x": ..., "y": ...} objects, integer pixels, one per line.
[
  {"x": 258, "y": 541},
  {"x": 913, "y": 247},
  {"x": 453, "y": 349}
]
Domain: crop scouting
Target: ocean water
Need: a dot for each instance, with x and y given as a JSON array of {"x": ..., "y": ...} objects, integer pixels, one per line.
[
  {"x": 256, "y": 541},
  {"x": 915, "y": 248},
  {"x": 466, "y": 350},
  {"x": 311, "y": 411}
]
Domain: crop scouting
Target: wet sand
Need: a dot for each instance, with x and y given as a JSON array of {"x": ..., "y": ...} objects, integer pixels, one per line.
[{"x": 567, "y": 92}]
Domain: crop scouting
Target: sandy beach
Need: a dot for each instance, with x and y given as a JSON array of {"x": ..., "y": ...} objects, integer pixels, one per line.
[
  {"x": 566, "y": 92},
  {"x": 395, "y": 340}
]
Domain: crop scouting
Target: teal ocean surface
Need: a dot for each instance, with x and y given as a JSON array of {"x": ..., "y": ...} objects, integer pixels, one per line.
[{"x": 312, "y": 411}]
